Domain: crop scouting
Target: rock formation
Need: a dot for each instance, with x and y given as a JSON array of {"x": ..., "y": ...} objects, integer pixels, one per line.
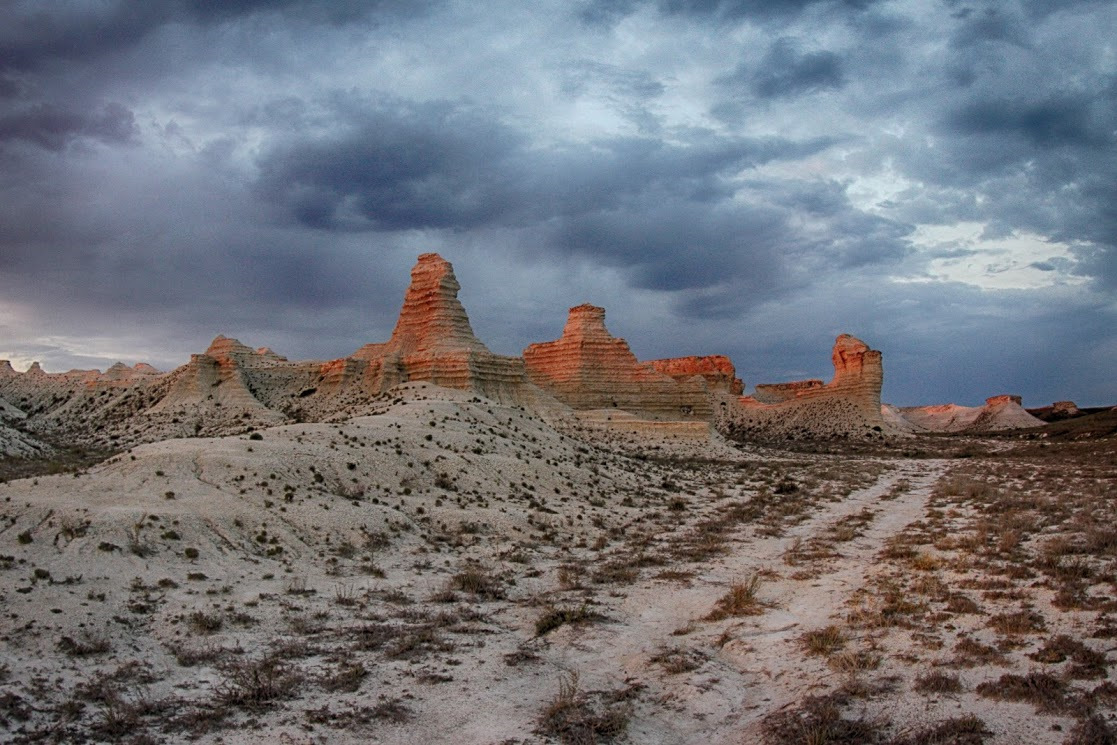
[
  {"x": 589, "y": 368},
  {"x": 999, "y": 413},
  {"x": 848, "y": 406},
  {"x": 232, "y": 388},
  {"x": 434, "y": 342},
  {"x": 775, "y": 393},
  {"x": 716, "y": 369}
]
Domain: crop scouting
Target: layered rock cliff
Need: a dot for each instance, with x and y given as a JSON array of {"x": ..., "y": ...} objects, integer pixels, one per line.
[
  {"x": 716, "y": 369},
  {"x": 434, "y": 342},
  {"x": 589, "y": 368},
  {"x": 848, "y": 406}
]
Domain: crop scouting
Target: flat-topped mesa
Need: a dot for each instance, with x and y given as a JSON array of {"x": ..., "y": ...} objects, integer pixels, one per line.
[
  {"x": 589, "y": 368},
  {"x": 434, "y": 342},
  {"x": 1004, "y": 399},
  {"x": 716, "y": 369}
]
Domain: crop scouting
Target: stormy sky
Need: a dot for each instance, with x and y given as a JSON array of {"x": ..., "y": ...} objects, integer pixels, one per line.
[{"x": 743, "y": 177}]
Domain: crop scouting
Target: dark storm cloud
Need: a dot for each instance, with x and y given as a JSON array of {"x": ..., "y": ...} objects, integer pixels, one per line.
[
  {"x": 402, "y": 165},
  {"x": 738, "y": 9},
  {"x": 1062, "y": 120},
  {"x": 608, "y": 12},
  {"x": 36, "y": 32},
  {"x": 786, "y": 71},
  {"x": 53, "y": 128}
]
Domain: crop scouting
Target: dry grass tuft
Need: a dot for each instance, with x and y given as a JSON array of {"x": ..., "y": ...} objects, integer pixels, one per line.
[
  {"x": 825, "y": 641},
  {"x": 574, "y": 718},
  {"x": 741, "y": 600},
  {"x": 938, "y": 682}
]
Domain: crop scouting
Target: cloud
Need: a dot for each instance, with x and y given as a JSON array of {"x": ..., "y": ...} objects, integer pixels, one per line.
[
  {"x": 53, "y": 128},
  {"x": 727, "y": 176}
]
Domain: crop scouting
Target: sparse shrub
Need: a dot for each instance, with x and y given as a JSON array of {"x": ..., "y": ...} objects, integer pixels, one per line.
[
  {"x": 479, "y": 582},
  {"x": 938, "y": 682},
  {"x": 1020, "y": 622},
  {"x": 1046, "y": 692},
  {"x": 24, "y": 538},
  {"x": 574, "y": 718},
  {"x": 205, "y": 623},
  {"x": 741, "y": 600},
  {"x": 964, "y": 730},
  {"x": 553, "y": 618},
  {"x": 825, "y": 641},
  {"x": 86, "y": 645},
  {"x": 256, "y": 684},
  {"x": 347, "y": 678},
  {"x": 819, "y": 720}
]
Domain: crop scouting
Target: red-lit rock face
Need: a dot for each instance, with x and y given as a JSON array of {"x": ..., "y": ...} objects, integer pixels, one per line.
[
  {"x": 434, "y": 342},
  {"x": 589, "y": 368},
  {"x": 716, "y": 369}
]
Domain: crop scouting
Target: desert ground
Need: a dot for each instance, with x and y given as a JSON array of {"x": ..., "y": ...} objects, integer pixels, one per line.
[{"x": 448, "y": 569}]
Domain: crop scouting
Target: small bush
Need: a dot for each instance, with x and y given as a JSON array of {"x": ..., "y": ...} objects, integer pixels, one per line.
[
  {"x": 574, "y": 718},
  {"x": 825, "y": 641},
  {"x": 938, "y": 682},
  {"x": 556, "y": 617},
  {"x": 741, "y": 600},
  {"x": 86, "y": 645}
]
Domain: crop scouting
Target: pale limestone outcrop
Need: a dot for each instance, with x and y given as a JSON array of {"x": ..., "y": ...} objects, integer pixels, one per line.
[
  {"x": 1001, "y": 412},
  {"x": 589, "y": 368}
]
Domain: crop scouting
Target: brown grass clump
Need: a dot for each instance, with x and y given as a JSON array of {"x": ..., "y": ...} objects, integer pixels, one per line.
[
  {"x": 477, "y": 581},
  {"x": 574, "y": 719},
  {"x": 553, "y": 618},
  {"x": 853, "y": 662},
  {"x": 825, "y": 641},
  {"x": 1087, "y": 663},
  {"x": 970, "y": 653},
  {"x": 1046, "y": 692},
  {"x": 938, "y": 682},
  {"x": 675, "y": 661},
  {"x": 1020, "y": 622},
  {"x": 965, "y": 730},
  {"x": 1093, "y": 730},
  {"x": 741, "y": 600},
  {"x": 819, "y": 719},
  {"x": 257, "y": 684}
]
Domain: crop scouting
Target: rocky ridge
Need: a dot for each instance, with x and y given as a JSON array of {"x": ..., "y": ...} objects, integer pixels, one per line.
[{"x": 232, "y": 388}]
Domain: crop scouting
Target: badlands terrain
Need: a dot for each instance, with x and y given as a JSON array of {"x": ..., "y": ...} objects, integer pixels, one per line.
[{"x": 427, "y": 542}]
